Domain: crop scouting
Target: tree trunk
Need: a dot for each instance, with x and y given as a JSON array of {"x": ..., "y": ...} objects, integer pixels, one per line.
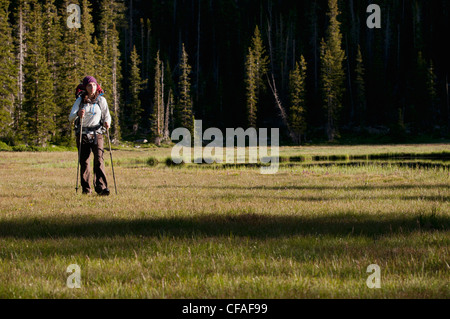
[
  {"x": 130, "y": 43},
  {"x": 142, "y": 50},
  {"x": 198, "y": 55},
  {"x": 21, "y": 79},
  {"x": 330, "y": 124},
  {"x": 280, "y": 106},
  {"x": 352, "y": 110},
  {"x": 167, "y": 116},
  {"x": 313, "y": 42},
  {"x": 161, "y": 106},
  {"x": 355, "y": 25},
  {"x": 387, "y": 41},
  {"x": 285, "y": 75},
  {"x": 293, "y": 53},
  {"x": 148, "y": 53},
  {"x": 448, "y": 106},
  {"x": 115, "y": 94}
]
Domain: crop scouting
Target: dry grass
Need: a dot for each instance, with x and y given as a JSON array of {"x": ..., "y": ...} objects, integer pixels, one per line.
[{"x": 196, "y": 233}]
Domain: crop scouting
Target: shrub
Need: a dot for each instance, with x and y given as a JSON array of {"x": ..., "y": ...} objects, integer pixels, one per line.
[
  {"x": 152, "y": 161},
  {"x": 297, "y": 158},
  {"x": 171, "y": 163},
  {"x": 4, "y": 147},
  {"x": 19, "y": 148}
]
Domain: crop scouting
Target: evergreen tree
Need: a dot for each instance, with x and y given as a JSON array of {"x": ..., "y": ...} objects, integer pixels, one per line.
[
  {"x": 8, "y": 72},
  {"x": 87, "y": 49},
  {"x": 396, "y": 60},
  {"x": 185, "y": 100},
  {"x": 261, "y": 59},
  {"x": 432, "y": 92},
  {"x": 252, "y": 97},
  {"x": 52, "y": 38},
  {"x": 68, "y": 75},
  {"x": 136, "y": 86},
  {"x": 360, "y": 88},
  {"x": 298, "y": 99},
  {"x": 54, "y": 50},
  {"x": 111, "y": 14},
  {"x": 116, "y": 77},
  {"x": 168, "y": 114},
  {"x": 39, "y": 103},
  {"x": 101, "y": 65},
  {"x": 149, "y": 29},
  {"x": 256, "y": 68},
  {"x": 158, "y": 101},
  {"x": 23, "y": 11},
  {"x": 169, "y": 121},
  {"x": 332, "y": 58}
]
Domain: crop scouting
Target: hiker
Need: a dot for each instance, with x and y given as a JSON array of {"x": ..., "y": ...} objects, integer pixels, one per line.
[{"x": 91, "y": 109}]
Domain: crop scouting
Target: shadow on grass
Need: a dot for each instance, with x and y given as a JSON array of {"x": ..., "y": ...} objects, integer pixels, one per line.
[
  {"x": 312, "y": 187},
  {"x": 333, "y": 198},
  {"x": 246, "y": 225}
]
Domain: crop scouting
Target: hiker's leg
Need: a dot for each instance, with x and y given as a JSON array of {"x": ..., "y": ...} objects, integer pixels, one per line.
[
  {"x": 84, "y": 163},
  {"x": 99, "y": 165}
]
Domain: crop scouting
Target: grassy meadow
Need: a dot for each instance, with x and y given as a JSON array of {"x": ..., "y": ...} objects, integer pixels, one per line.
[{"x": 206, "y": 231}]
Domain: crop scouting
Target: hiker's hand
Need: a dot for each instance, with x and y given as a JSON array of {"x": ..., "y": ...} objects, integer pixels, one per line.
[
  {"x": 81, "y": 113},
  {"x": 106, "y": 125}
]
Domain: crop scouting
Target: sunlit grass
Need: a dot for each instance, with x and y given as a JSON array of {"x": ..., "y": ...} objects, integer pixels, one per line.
[{"x": 229, "y": 233}]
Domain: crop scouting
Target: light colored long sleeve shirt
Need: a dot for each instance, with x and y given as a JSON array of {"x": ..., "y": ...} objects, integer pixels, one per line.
[{"x": 94, "y": 112}]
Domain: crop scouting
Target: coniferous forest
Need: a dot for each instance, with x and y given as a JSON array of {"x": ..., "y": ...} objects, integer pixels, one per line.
[{"x": 315, "y": 69}]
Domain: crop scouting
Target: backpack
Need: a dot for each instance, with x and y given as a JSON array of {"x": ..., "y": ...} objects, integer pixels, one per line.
[{"x": 80, "y": 91}]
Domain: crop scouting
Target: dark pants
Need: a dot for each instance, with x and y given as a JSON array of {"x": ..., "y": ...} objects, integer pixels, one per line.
[{"x": 99, "y": 165}]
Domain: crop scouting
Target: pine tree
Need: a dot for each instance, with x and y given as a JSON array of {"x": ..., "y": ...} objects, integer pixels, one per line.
[
  {"x": 116, "y": 78},
  {"x": 432, "y": 92},
  {"x": 54, "y": 50},
  {"x": 360, "y": 88},
  {"x": 39, "y": 103},
  {"x": 168, "y": 113},
  {"x": 169, "y": 120},
  {"x": 252, "y": 97},
  {"x": 136, "y": 86},
  {"x": 52, "y": 37},
  {"x": 102, "y": 48},
  {"x": 158, "y": 101},
  {"x": 298, "y": 99},
  {"x": 68, "y": 76},
  {"x": 23, "y": 11},
  {"x": 87, "y": 49},
  {"x": 101, "y": 65},
  {"x": 185, "y": 100},
  {"x": 111, "y": 14},
  {"x": 149, "y": 29},
  {"x": 8, "y": 72},
  {"x": 260, "y": 58},
  {"x": 256, "y": 68},
  {"x": 332, "y": 58}
]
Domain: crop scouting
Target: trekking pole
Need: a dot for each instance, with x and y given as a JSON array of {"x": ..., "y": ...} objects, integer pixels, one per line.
[
  {"x": 112, "y": 165},
  {"x": 79, "y": 153}
]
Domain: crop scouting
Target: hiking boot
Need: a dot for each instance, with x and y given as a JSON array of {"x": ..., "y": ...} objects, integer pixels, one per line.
[
  {"x": 104, "y": 192},
  {"x": 86, "y": 192}
]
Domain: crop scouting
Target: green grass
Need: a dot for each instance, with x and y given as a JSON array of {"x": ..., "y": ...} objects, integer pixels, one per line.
[{"x": 193, "y": 231}]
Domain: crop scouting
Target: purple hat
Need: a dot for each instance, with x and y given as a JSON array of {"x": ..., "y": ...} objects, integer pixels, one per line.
[{"x": 88, "y": 80}]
